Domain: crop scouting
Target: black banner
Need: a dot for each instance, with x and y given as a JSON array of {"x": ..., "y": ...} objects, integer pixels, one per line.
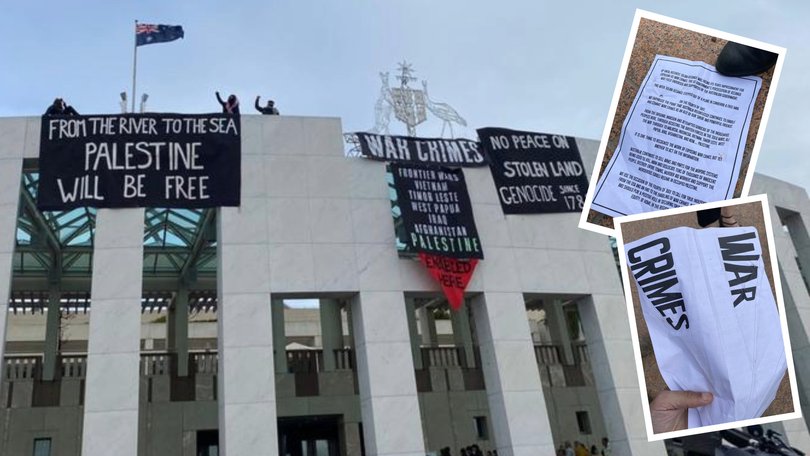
[
  {"x": 428, "y": 151},
  {"x": 436, "y": 210},
  {"x": 139, "y": 160},
  {"x": 535, "y": 172}
]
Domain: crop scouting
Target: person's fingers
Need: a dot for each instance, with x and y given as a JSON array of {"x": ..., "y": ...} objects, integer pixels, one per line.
[{"x": 672, "y": 400}]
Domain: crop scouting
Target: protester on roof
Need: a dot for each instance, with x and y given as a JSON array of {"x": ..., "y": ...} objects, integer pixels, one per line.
[
  {"x": 60, "y": 108},
  {"x": 269, "y": 109},
  {"x": 231, "y": 106}
]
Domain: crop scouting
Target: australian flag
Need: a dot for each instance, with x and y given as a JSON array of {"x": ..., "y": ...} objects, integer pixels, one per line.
[{"x": 151, "y": 33}]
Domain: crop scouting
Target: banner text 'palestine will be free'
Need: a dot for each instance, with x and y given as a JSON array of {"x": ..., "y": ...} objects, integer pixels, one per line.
[{"x": 145, "y": 160}]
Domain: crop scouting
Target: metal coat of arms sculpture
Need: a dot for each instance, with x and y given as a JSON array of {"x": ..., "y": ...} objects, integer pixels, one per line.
[{"x": 409, "y": 105}]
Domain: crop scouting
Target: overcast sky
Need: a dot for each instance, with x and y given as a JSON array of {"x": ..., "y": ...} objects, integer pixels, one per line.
[{"x": 535, "y": 65}]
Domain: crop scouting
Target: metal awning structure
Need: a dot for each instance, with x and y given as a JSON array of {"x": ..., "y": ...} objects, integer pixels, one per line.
[{"x": 57, "y": 247}]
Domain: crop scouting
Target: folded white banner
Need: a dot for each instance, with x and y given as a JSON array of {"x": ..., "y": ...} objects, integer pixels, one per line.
[
  {"x": 682, "y": 141},
  {"x": 712, "y": 318}
]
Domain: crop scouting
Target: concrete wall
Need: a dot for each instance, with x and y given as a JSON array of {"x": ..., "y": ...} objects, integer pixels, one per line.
[
  {"x": 20, "y": 426},
  {"x": 564, "y": 403},
  {"x": 448, "y": 420}
]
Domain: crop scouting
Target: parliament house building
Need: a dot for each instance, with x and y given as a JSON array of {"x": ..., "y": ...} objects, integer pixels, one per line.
[{"x": 291, "y": 326}]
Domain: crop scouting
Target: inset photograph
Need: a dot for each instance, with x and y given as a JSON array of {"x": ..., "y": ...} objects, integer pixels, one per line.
[
  {"x": 705, "y": 306},
  {"x": 686, "y": 120}
]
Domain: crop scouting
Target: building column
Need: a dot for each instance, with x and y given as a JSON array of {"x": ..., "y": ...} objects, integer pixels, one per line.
[
  {"x": 798, "y": 236},
  {"x": 796, "y": 433},
  {"x": 350, "y": 442},
  {"x": 246, "y": 379},
  {"x": 331, "y": 331},
  {"x": 427, "y": 326},
  {"x": 795, "y": 275},
  {"x": 413, "y": 331},
  {"x": 610, "y": 347},
  {"x": 12, "y": 142},
  {"x": 177, "y": 331},
  {"x": 389, "y": 404},
  {"x": 797, "y": 430},
  {"x": 279, "y": 337},
  {"x": 462, "y": 335},
  {"x": 350, "y": 327},
  {"x": 520, "y": 422},
  {"x": 50, "y": 360},
  {"x": 558, "y": 328},
  {"x": 113, "y": 351}
]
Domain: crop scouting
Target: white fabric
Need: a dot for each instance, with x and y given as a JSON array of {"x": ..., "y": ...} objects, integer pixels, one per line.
[
  {"x": 712, "y": 318},
  {"x": 682, "y": 141}
]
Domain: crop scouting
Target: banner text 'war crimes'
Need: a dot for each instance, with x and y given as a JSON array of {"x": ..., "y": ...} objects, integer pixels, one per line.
[
  {"x": 431, "y": 151},
  {"x": 168, "y": 160}
]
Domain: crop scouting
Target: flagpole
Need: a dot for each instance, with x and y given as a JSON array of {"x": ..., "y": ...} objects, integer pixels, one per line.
[{"x": 134, "y": 65}]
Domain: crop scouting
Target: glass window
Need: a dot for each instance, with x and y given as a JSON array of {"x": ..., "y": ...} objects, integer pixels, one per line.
[
  {"x": 481, "y": 430},
  {"x": 584, "y": 422},
  {"x": 42, "y": 447}
]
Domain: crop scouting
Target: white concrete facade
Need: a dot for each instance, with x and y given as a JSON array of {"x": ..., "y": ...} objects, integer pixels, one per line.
[
  {"x": 114, "y": 351},
  {"x": 14, "y": 136},
  {"x": 790, "y": 217},
  {"x": 315, "y": 223}
]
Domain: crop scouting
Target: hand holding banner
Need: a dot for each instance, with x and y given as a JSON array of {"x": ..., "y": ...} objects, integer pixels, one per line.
[{"x": 712, "y": 318}]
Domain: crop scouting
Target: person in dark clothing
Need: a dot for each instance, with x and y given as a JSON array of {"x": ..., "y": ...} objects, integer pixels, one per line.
[
  {"x": 60, "y": 108},
  {"x": 270, "y": 109},
  {"x": 231, "y": 106}
]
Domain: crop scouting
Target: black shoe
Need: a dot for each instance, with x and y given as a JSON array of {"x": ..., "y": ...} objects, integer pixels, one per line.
[
  {"x": 740, "y": 60},
  {"x": 708, "y": 216}
]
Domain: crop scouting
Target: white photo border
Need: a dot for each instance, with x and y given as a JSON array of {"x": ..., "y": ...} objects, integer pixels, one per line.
[
  {"x": 766, "y": 112},
  {"x": 763, "y": 200}
]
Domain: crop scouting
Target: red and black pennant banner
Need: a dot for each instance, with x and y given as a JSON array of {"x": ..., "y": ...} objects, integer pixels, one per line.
[{"x": 452, "y": 274}]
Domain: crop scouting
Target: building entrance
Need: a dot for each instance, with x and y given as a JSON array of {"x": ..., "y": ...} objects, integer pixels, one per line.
[{"x": 308, "y": 436}]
